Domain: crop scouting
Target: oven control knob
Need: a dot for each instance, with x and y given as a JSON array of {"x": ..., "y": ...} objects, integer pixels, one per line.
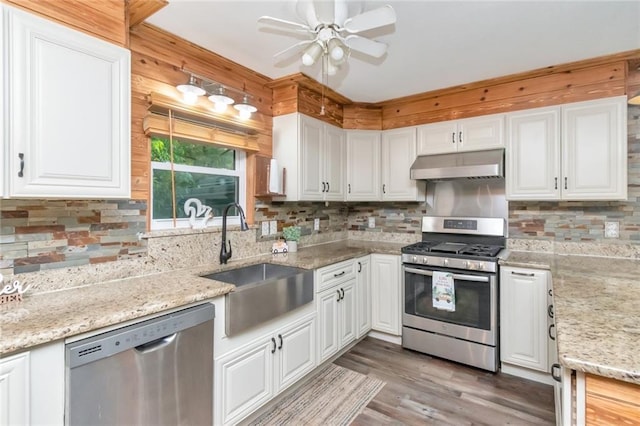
[
  {"x": 425, "y": 260},
  {"x": 467, "y": 265},
  {"x": 480, "y": 266},
  {"x": 445, "y": 262},
  {"x": 415, "y": 259}
]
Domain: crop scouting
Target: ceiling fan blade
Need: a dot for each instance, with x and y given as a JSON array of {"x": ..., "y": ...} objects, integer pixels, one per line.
[
  {"x": 365, "y": 45},
  {"x": 372, "y": 19},
  {"x": 325, "y": 10},
  {"x": 298, "y": 46},
  {"x": 307, "y": 11},
  {"x": 341, "y": 12},
  {"x": 282, "y": 23}
]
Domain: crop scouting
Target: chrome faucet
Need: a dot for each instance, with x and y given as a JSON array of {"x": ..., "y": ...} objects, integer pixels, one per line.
[{"x": 224, "y": 255}]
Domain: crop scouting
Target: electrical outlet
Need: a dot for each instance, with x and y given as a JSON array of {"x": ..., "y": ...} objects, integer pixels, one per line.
[
  {"x": 273, "y": 227},
  {"x": 316, "y": 224},
  {"x": 372, "y": 222},
  {"x": 265, "y": 228},
  {"x": 611, "y": 230}
]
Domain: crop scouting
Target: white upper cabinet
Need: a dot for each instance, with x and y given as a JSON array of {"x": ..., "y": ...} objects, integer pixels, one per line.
[
  {"x": 313, "y": 153},
  {"x": 575, "y": 151},
  {"x": 363, "y": 165},
  {"x": 398, "y": 154},
  {"x": 67, "y": 106},
  {"x": 470, "y": 134}
]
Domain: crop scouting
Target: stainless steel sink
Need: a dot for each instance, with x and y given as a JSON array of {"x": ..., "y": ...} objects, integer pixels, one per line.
[{"x": 263, "y": 292}]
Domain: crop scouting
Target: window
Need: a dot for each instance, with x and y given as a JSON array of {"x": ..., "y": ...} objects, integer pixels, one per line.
[{"x": 212, "y": 174}]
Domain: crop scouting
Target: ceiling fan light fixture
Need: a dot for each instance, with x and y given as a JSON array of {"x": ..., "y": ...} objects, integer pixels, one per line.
[
  {"x": 191, "y": 91},
  {"x": 312, "y": 54},
  {"x": 245, "y": 109},
  {"x": 336, "y": 49}
]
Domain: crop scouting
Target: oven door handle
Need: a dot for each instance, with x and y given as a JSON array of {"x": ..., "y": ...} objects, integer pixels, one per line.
[{"x": 455, "y": 276}]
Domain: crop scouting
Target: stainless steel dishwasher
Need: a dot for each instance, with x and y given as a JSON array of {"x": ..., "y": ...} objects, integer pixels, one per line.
[{"x": 156, "y": 372}]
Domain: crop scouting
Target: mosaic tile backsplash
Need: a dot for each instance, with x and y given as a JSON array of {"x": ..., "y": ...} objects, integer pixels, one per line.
[{"x": 39, "y": 235}]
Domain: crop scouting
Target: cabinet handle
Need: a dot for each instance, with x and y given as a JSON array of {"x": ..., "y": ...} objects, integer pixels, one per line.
[
  {"x": 324, "y": 187},
  {"x": 523, "y": 274},
  {"x": 349, "y": 186},
  {"x": 557, "y": 377},
  {"x": 551, "y": 327},
  {"x": 550, "y": 311},
  {"x": 556, "y": 184},
  {"x": 21, "y": 172},
  {"x": 565, "y": 182},
  {"x": 280, "y": 337},
  {"x": 384, "y": 188},
  {"x": 338, "y": 290},
  {"x": 273, "y": 340},
  {"x": 342, "y": 290},
  {"x": 339, "y": 275},
  {"x": 359, "y": 267},
  {"x": 460, "y": 137},
  {"x": 328, "y": 187},
  {"x": 453, "y": 137},
  {"x": 550, "y": 293}
]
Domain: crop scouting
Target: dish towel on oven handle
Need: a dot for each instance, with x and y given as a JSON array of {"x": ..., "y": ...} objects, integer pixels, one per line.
[{"x": 443, "y": 291}]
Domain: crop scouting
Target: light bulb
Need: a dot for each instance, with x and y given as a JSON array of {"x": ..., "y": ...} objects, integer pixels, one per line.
[
  {"x": 312, "y": 54},
  {"x": 244, "y": 114},
  {"x": 335, "y": 49},
  {"x": 219, "y": 106},
  {"x": 190, "y": 98}
]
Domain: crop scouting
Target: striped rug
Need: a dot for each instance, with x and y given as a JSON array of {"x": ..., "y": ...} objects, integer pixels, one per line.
[{"x": 335, "y": 396}]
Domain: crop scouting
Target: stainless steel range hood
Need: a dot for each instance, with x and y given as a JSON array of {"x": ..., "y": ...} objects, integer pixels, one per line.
[{"x": 459, "y": 165}]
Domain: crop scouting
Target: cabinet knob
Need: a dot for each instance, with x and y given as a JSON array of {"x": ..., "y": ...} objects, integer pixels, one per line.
[{"x": 21, "y": 157}]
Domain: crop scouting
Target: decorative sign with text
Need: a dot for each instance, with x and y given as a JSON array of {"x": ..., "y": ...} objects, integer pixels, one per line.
[{"x": 11, "y": 291}]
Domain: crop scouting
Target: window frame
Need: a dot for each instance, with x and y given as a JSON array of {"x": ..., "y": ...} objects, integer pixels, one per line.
[{"x": 216, "y": 221}]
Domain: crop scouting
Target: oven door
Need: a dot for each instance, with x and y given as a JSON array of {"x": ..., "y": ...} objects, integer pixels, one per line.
[{"x": 476, "y": 300}]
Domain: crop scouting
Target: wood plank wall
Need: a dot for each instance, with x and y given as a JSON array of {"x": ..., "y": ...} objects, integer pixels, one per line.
[
  {"x": 157, "y": 60},
  {"x": 106, "y": 19}
]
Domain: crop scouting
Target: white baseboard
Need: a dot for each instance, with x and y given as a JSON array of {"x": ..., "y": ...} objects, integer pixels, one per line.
[
  {"x": 386, "y": 337},
  {"x": 526, "y": 373}
]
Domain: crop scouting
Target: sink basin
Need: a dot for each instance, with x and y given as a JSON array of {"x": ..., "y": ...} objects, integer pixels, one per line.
[{"x": 263, "y": 292}]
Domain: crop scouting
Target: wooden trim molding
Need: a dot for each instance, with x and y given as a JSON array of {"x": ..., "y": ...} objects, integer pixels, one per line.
[
  {"x": 139, "y": 10},
  {"x": 155, "y": 124}
]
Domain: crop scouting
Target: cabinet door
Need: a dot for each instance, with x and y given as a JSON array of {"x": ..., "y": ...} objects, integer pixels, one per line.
[
  {"x": 296, "y": 353},
  {"x": 478, "y": 133},
  {"x": 523, "y": 318},
  {"x": 363, "y": 165},
  {"x": 312, "y": 159},
  {"x": 347, "y": 312},
  {"x": 438, "y": 138},
  {"x": 594, "y": 160},
  {"x": 398, "y": 154},
  {"x": 14, "y": 390},
  {"x": 363, "y": 296},
  {"x": 385, "y": 293},
  {"x": 334, "y": 164},
  {"x": 68, "y": 111},
  {"x": 245, "y": 381},
  {"x": 328, "y": 319},
  {"x": 533, "y": 155}
]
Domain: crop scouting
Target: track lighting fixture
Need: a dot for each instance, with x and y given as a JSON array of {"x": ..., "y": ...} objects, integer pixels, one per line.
[{"x": 218, "y": 95}]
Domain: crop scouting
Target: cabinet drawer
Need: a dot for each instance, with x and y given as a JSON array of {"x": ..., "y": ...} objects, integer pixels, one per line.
[{"x": 334, "y": 274}]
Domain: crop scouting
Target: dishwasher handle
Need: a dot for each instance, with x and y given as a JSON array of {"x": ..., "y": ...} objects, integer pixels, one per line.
[{"x": 156, "y": 344}]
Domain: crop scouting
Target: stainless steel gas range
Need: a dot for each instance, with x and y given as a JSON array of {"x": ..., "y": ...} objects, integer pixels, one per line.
[{"x": 451, "y": 290}]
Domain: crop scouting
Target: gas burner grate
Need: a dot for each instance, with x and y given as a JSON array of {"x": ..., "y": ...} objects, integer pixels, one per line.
[{"x": 481, "y": 250}]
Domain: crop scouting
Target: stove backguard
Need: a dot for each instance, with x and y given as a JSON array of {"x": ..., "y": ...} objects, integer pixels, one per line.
[{"x": 467, "y": 198}]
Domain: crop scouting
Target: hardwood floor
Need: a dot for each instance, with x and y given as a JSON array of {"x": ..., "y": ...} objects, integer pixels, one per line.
[{"x": 421, "y": 389}]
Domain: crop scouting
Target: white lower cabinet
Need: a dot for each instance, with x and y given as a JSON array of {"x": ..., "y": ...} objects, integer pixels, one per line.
[
  {"x": 336, "y": 319},
  {"x": 363, "y": 296},
  {"x": 253, "y": 374},
  {"x": 523, "y": 321},
  {"x": 32, "y": 386},
  {"x": 386, "y": 291}
]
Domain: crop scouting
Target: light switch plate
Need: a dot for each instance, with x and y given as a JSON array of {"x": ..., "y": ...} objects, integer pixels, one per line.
[
  {"x": 265, "y": 228},
  {"x": 372, "y": 222},
  {"x": 611, "y": 230},
  {"x": 273, "y": 227},
  {"x": 316, "y": 224}
]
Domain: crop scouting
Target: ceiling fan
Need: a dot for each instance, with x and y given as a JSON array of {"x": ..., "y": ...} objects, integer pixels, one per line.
[{"x": 332, "y": 34}]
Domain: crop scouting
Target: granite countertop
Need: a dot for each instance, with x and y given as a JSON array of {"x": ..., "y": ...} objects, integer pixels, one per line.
[
  {"x": 46, "y": 317},
  {"x": 597, "y": 315}
]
